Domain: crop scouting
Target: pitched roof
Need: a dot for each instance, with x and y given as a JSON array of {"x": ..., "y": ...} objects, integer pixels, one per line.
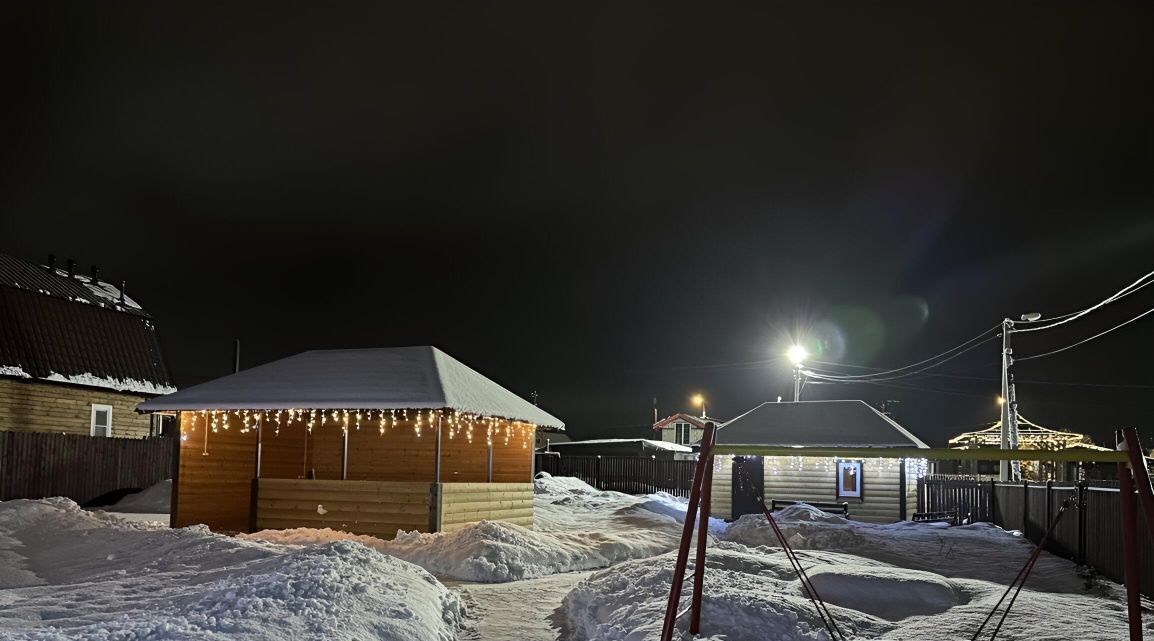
[
  {"x": 643, "y": 443},
  {"x": 420, "y": 377},
  {"x": 816, "y": 424},
  {"x": 57, "y": 328},
  {"x": 682, "y": 417}
]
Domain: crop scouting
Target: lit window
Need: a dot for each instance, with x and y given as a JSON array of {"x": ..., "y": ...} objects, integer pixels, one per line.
[
  {"x": 101, "y": 423},
  {"x": 849, "y": 480}
]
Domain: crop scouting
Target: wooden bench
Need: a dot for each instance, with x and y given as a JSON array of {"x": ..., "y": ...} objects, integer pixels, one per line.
[
  {"x": 949, "y": 516},
  {"x": 829, "y": 508}
]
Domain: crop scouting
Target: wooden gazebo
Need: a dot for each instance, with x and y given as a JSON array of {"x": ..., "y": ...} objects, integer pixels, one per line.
[{"x": 365, "y": 440}]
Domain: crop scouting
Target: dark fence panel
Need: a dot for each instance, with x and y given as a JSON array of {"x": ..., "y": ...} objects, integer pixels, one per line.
[
  {"x": 35, "y": 465},
  {"x": 1089, "y": 532},
  {"x": 972, "y": 499},
  {"x": 628, "y": 474}
]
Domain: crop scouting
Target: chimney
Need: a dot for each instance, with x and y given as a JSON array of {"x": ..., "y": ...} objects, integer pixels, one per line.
[
  {"x": 123, "y": 284},
  {"x": 71, "y": 268},
  {"x": 95, "y": 275},
  {"x": 51, "y": 263}
]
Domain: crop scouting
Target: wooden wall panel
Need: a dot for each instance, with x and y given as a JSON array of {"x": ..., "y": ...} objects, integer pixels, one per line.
[
  {"x": 465, "y": 462},
  {"x": 214, "y": 480},
  {"x": 325, "y": 443},
  {"x": 283, "y": 454},
  {"x": 37, "y": 406},
  {"x": 513, "y": 462},
  {"x": 464, "y": 503},
  {"x": 376, "y": 508},
  {"x": 397, "y": 455}
]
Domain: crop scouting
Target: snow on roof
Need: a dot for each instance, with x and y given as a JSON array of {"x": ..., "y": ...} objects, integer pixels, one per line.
[
  {"x": 657, "y": 445},
  {"x": 848, "y": 423},
  {"x": 420, "y": 377}
]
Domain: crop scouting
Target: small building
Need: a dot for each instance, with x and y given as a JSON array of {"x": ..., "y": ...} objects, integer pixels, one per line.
[
  {"x": 682, "y": 428},
  {"x": 622, "y": 447},
  {"x": 1031, "y": 436},
  {"x": 368, "y": 441},
  {"x": 548, "y": 436},
  {"x": 76, "y": 354},
  {"x": 877, "y": 490}
]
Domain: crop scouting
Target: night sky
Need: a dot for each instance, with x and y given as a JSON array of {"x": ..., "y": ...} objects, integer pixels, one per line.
[{"x": 612, "y": 204}]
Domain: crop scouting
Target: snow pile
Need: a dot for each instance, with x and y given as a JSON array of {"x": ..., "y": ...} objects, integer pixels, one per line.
[
  {"x": 489, "y": 551},
  {"x": 747, "y": 597},
  {"x": 885, "y": 592},
  {"x": 69, "y": 574},
  {"x": 978, "y": 551},
  {"x": 152, "y": 500},
  {"x": 577, "y": 528},
  {"x": 900, "y": 582}
]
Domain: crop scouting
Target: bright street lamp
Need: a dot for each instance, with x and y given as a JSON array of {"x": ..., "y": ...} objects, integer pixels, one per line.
[
  {"x": 797, "y": 355},
  {"x": 698, "y": 399}
]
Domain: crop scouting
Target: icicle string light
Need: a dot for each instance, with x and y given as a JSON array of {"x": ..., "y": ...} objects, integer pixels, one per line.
[{"x": 453, "y": 423}]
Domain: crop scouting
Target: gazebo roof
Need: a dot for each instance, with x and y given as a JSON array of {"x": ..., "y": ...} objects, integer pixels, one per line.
[
  {"x": 849, "y": 423},
  {"x": 420, "y": 377}
]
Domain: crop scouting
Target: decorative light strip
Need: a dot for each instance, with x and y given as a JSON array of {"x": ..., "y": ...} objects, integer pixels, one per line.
[{"x": 453, "y": 422}]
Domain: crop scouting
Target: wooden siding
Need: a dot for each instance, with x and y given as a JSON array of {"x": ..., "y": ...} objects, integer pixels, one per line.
[
  {"x": 721, "y": 496},
  {"x": 377, "y": 508},
  {"x": 815, "y": 481},
  {"x": 37, "y": 406},
  {"x": 214, "y": 479},
  {"x": 513, "y": 462},
  {"x": 464, "y": 503},
  {"x": 34, "y": 466}
]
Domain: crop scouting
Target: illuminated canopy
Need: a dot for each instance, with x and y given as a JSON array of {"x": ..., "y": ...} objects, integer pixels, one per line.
[{"x": 421, "y": 377}]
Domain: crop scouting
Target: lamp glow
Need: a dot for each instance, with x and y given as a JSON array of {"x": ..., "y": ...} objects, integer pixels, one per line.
[{"x": 797, "y": 354}]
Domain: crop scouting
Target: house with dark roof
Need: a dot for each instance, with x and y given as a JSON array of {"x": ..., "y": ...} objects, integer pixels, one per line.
[
  {"x": 681, "y": 428},
  {"x": 874, "y": 489},
  {"x": 76, "y": 353}
]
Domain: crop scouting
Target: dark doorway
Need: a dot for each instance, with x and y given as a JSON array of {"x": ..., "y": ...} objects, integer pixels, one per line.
[{"x": 748, "y": 484}]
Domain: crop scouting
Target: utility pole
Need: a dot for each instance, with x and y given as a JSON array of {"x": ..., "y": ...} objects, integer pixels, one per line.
[
  {"x": 797, "y": 383},
  {"x": 1008, "y": 470}
]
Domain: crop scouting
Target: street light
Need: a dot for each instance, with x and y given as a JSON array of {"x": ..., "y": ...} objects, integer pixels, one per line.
[
  {"x": 698, "y": 399},
  {"x": 1010, "y": 470},
  {"x": 797, "y": 355}
]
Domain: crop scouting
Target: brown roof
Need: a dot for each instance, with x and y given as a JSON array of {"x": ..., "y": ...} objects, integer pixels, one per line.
[
  {"x": 682, "y": 418},
  {"x": 63, "y": 329}
]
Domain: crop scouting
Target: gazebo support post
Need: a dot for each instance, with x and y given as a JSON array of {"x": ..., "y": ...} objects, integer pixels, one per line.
[
  {"x": 345, "y": 452},
  {"x": 489, "y": 464},
  {"x": 437, "y": 453}
]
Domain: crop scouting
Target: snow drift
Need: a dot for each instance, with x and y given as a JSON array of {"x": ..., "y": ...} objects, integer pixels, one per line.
[
  {"x": 70, "y": 574},
  {"x": 155, "y": 499}
]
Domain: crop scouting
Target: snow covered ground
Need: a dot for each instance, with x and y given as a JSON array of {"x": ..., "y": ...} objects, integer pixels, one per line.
[
  {"x": 595, "y": 566},
  {"x": 70, "y": 574}
]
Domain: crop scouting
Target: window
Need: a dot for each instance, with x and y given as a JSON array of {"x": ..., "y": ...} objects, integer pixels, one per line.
[
  {"x": 683, "y": 434},
  {"x": 849, "y": 481},
  {"x": 101, "y": 420}
]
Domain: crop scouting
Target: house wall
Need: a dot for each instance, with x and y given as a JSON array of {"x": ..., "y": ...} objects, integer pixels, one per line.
[
  {"x": 38, "y": 406},
  {"x": 669, "y": 433},
  {"x": 814, "y": 479}
]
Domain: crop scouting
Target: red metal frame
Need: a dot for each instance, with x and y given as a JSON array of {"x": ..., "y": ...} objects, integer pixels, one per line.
[
  {"x": 702, "y": 539},
  {"x": 1133, "y": 477},
  {"x": 706, "y": 455}
]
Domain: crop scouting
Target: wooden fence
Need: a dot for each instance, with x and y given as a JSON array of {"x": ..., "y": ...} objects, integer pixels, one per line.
[
  {"x": 35, "y": 465},
  {"x": 1089, "y": 532},
  {"x": 628, "y": 474}
]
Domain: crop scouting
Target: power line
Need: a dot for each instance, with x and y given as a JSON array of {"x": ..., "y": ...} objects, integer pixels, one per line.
[
  {"x": 990, "y": 379},
  {"x": 885, "y": 376},
  {"x": 1085, "y": 340},
  {"x": 1066, "y": 318}
]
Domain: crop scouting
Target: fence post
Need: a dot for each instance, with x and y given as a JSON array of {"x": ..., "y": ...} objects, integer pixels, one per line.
[
  {"x": 1049, "y": 502},
  {"x": 597, "y": 477},
  {"x": 994, "y": 504},
  {"x": 1026, "y": 509},
  {"x": 902, "y": 490},
  {"x": 1080, "y": 494}
]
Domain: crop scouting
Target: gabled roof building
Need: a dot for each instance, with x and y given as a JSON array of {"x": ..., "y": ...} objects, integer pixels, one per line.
[{"x": 76, "y": 353}]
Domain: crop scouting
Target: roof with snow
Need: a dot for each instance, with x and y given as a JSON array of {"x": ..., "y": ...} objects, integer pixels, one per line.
[
  {"x": 420, "y": 377},
  {"x": 816, "y": 424},
  {"x": 682, "y": 417},
  {"x": 76, "y": 330},
  {"x": 642, "y": 442}
]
